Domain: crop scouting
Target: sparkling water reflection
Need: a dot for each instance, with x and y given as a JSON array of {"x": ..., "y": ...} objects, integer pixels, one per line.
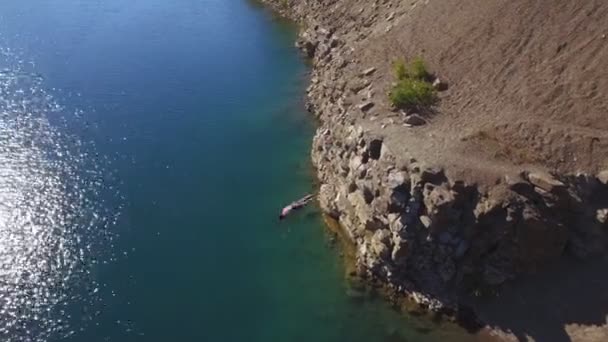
[{"x": 52, "y": 217}]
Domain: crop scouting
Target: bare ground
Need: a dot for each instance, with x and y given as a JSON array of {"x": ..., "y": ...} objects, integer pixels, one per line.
[{"x": 527, "y": 81}]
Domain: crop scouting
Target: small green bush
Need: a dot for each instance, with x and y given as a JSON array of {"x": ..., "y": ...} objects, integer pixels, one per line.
[
  {"x": 400, "y": 70},
  {"x": 409, "y": 93},
  {"x": 413, "y": 89},
  {"x": 418, "y": 70}
]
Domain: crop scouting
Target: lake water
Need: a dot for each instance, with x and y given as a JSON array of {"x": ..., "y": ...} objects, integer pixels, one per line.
[{"x": 146, "y": 147}]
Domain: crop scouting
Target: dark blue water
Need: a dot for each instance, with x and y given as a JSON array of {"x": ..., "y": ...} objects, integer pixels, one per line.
[{"x": 146, "y": 148}]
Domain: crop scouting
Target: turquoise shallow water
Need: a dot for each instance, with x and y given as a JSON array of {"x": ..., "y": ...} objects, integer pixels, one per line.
[{"x": 160, "y": 139}]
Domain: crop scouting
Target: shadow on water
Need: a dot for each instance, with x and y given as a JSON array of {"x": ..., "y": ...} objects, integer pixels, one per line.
[{"x": 543, "y": 305}]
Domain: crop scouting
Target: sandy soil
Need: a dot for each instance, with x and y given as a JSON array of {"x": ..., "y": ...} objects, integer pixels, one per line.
[{"x": 527, "y": 80}]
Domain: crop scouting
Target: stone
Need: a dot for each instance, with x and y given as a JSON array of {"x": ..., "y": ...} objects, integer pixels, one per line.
[
  {"x": 379, "y": 243},
  {"x": 603, "y": 177},
  {"x": 325, "y": 32},
  {"x": 439, "y": 85},
  {"x": 396, "y": 225},
  {"x": 545, "y": 181},
  {"x": 365, "y": 106},
  {"x": 426, "y": 221},
  {"x": 400, "y": 251},
  {"x": 415, "y": 120},
  {"x": 355, "y": 163},
  {"x": 602, "y": 215},
  {"x": 391, "y": 16},
  {"x": 369, "y": 71},
  {"x": 439, "y": 202},
  {"x": 396, "y": 179},
  {"x": 327, "y": 194}
]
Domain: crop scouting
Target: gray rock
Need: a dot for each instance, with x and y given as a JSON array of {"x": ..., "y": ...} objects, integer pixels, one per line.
[
  {"x": 365, "y": 106},
  {"x": 400, "y": 251},
  {"x": 369, "y": 71},
  {"x": 396, "y": 179},
  {"x": 397, "y": 225},
  {"x": 415, "y": 120},
  {"x": 355, "y": 163},
  {"x": 327, "y": 194},
  {"x": 379, "y": 243},
  {"x": 603, "y": 177},
  {"x": 439, "y": 202},
  {"x": 545, "y": 181},
  {"x": 426, "y": 221},
  {"x": 440, "y": 85},
  {"x": 602, "y": 215}
]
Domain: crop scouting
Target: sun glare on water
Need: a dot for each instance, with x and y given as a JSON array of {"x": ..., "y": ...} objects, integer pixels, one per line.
[{"x": 53, "y": 224}]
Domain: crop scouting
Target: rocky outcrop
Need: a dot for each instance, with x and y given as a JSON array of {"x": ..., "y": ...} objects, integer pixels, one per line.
[{"x": 421, "y": 230}]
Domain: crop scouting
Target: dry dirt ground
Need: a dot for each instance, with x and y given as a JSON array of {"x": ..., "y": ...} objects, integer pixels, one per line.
[{"x": 528, "y": 81}]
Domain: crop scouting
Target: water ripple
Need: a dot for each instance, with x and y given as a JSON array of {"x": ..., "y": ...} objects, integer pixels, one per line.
[{"x": 53, "y": 220}]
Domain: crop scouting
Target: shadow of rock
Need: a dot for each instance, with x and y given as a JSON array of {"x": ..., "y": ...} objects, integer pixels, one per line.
[{"x": 566, "y": 302}]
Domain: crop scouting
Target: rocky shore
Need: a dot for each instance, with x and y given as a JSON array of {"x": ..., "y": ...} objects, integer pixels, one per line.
[{"x": 432, "y": 220}]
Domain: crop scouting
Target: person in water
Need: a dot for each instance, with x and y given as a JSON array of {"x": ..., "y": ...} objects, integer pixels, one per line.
[{"x": 295, "y": 206}]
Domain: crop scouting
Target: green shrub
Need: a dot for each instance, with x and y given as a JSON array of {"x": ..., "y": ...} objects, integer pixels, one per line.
[
  {"x": 400, "y": 70},
  {"x": 413, "y": 89},
  {"x": 412, "y": 93},
  {"x": 418, "y": 70}
]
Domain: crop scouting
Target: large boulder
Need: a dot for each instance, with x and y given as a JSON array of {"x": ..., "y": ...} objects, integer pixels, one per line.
[{"x": 439, "y": 202}]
